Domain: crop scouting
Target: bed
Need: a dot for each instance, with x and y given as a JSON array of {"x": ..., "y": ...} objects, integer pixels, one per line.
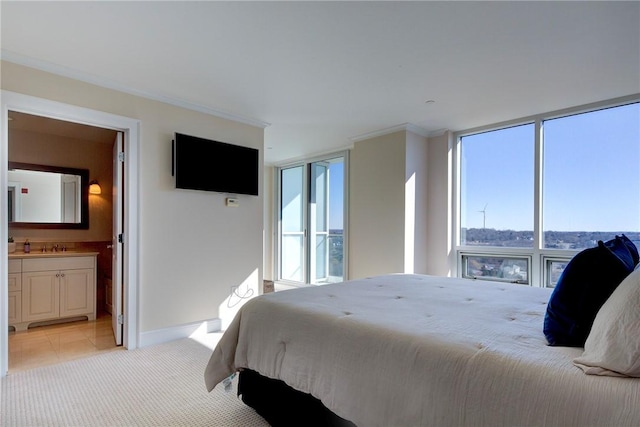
[{"x": 416, "y": 350}]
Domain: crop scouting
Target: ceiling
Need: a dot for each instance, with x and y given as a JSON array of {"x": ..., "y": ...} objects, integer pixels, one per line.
[
  {"x": 49, "y": 126},
  {"x": 321, "y": 75}
]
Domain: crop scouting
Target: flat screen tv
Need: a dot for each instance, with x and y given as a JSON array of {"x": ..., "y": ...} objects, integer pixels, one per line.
[{"x": 208, "y": 165}]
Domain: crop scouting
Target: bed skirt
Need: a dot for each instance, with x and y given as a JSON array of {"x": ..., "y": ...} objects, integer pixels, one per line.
[{"x": 281, "y": 405}]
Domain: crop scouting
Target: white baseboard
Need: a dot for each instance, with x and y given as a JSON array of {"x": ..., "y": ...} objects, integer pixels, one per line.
[{"x": 172, "y": 333}]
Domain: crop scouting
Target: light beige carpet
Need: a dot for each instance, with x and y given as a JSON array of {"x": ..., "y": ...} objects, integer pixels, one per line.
[{"x": 162, "y": 385}]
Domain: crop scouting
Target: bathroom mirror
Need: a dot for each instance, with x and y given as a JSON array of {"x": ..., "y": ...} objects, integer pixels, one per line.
[{"x": 42, "y": 196}]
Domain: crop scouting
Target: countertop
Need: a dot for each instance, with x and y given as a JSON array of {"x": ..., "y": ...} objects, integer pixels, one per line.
[{"x": 49, "y": 254}]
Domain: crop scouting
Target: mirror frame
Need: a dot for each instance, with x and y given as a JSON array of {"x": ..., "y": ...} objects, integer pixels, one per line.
[{"x": 84, "y": 197}]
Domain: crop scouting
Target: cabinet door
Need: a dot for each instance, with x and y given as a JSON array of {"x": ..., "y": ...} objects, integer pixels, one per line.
[
  {"x": 77, "y": 295},
  {"x": 40, "y": 296},
  {"x": 15, "y": 291},
  {"x": 15, "y": 307},
  {"x": 15, "y": 282}
]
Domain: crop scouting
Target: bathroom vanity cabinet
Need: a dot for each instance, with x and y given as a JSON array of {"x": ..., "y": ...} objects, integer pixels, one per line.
[{"x": 51, "y": 287}]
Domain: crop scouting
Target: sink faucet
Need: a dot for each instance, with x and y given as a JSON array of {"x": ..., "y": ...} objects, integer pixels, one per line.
[
  {"x": 44, "y": 248},
  {"x": 55, "y": 248}
]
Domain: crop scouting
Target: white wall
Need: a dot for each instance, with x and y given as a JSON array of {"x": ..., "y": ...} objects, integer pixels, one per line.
[
  {"x": 376, "y": 209},
  {"x": 399, "y": 205},
  {"x": 269, "y": 237},
  {"x": 193, "y": 249},
  {"x": 416, "y": 211},
  {"x": 439, "y": 206}
]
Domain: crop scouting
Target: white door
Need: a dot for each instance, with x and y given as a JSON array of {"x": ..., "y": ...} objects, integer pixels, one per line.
[
  {"x": 292, "y": 224},
  {"x": 310, "y": 222},
  {"x": 70, "y": 199},
  {"x": 319, "y": 223},
  {"x": 116, "y": 241}
]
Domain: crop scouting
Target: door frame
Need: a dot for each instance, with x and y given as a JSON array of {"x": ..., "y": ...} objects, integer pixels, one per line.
[
  {"x": 12, "y": 101},
  {"x": 116, "y": 243}
]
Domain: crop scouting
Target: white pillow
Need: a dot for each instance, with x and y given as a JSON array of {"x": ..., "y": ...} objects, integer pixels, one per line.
[{"x": 613, "y": 345}]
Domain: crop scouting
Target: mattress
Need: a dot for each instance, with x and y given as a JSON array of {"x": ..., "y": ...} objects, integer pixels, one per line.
[{"x": 410, "y": 350}]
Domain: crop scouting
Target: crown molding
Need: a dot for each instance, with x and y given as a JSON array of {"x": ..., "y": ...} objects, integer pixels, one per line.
[
  {"x": 109, "y": 84},
  {"x": 438, "y": 132},
  {"x": 408, "y": 127}
]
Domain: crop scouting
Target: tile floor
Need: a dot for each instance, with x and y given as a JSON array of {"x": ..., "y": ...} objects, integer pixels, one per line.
[{"x": 47, "y": 345}]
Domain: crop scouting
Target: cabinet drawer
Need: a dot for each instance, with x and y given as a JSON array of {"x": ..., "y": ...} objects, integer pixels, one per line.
[
  {"x": 68, "y": 263},
  {"x": 15, "y": 282},
  {"x": 15, "y": 266}
]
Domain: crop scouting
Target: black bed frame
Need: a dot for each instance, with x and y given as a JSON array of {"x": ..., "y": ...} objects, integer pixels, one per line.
[{"x": 281, "y": 405}]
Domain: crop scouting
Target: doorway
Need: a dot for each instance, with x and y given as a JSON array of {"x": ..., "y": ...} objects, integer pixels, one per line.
[
  {"x": 53, "y": 200},
  {"x": 128, "y": 248}
]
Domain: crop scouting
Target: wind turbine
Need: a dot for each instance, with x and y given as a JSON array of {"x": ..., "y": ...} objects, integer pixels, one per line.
[{"x": 484, "y": 216}]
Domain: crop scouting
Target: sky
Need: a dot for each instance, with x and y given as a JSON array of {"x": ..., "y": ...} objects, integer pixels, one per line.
[
  {"x": 292, "y": 194},
  {"x": 336, "y": 195},
  {"x": 591, "y": 174}
]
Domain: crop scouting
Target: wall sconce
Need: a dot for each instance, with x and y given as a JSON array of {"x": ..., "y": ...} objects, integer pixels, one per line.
[{"x": 94, "y": 187}]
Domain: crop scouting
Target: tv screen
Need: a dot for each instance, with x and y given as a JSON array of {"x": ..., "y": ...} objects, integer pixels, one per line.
[{"x": 208, "y": 165}]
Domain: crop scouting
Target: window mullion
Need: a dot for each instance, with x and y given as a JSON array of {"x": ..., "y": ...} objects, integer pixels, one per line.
[{"x": 537, "y": 269}]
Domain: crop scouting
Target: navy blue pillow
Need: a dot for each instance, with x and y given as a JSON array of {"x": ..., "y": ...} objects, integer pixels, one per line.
[
  {"x": 632, "y": 249},
  {"x": 585, "y": 284}
]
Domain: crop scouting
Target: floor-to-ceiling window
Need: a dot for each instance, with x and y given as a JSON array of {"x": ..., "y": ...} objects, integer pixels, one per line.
[
  {"x": 311, "y": 226},
  {"x": 533, "y": 193}
]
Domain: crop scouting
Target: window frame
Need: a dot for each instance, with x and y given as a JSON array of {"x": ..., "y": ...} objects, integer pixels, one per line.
[
  {"x": 540, "y": 256},
  {"x": 546, "y": 261},
  {"x": 490, "y": 253},
  {"x": 277, "y": 241}
]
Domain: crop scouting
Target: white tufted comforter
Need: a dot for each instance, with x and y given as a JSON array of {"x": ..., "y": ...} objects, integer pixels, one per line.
[{"x": 416, "y": 350}]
